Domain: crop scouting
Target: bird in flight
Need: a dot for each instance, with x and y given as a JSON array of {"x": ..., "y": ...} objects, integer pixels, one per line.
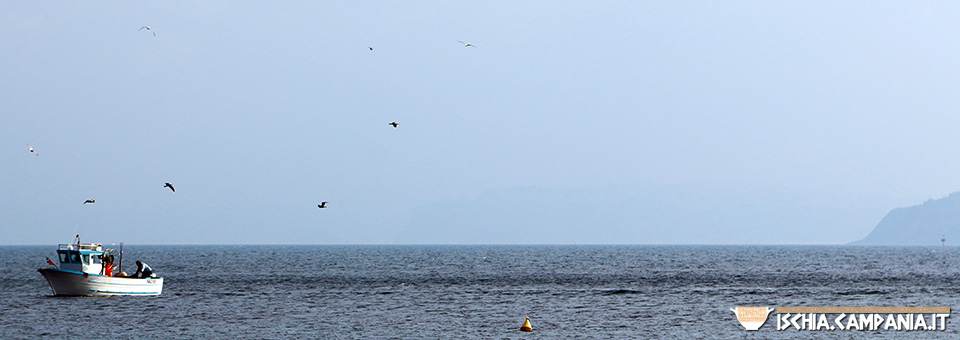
[
  {"x": 393, "y": 124},
  {"x": 148, "y": 28},
  {"x": 322, "y": 205},
  {"x": 168, "y": 185},
  {"x": 89, "y": 201},
  {"x": 370, "y": 47},
  {"x": 32, "y": 150},
  {"x": 467, "y": 44}
]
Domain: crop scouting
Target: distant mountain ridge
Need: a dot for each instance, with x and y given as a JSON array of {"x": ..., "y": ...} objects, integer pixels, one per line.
[{"x": 923, "y": 224}]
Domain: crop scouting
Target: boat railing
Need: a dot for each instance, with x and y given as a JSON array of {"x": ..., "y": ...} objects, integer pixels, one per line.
[{"x": 82, "y": 246}]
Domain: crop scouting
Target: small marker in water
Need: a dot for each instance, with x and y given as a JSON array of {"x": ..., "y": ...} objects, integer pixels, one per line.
[{"x": 526, "y": 326}]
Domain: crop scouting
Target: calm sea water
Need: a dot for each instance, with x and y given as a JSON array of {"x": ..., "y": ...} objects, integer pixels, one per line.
[{"x": 479, "y": 292}]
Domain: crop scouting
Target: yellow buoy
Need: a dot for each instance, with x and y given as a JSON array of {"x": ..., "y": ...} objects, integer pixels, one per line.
[{"x": 526, "y": 326}]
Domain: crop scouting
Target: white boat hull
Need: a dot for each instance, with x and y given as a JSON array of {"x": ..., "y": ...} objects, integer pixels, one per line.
[{"x": 73, "y": 283}]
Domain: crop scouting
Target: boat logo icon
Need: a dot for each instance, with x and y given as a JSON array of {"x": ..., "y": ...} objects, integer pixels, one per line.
[{"x": 752, "y": 317}]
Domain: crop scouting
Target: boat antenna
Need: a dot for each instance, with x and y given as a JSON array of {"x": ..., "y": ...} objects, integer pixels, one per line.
[{"x": 78, "y": 229}]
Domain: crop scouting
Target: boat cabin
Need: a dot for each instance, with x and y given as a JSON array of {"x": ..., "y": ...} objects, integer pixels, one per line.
[{"x": 85, "y": 257}]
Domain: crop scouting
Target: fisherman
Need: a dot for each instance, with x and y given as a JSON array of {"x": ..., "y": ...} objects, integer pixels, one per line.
[
  {"x": 107, "y": 264},
  {"x": 143, "y": 270}
]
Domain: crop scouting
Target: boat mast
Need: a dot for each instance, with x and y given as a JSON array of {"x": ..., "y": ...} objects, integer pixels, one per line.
[{"x": 120, "y": 266}]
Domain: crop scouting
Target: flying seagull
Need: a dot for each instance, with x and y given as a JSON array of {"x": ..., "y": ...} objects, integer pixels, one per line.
[
  {"x": 148, "y": 28},
  {"x": 467, "y": 44},
  {"x": 32, "y": 150},
  {"x": 393, "y": 124},
  {"x": 89, "y": 201},
  {"x": 322, "y": 205},
  {"x": 168, "y": 185}
]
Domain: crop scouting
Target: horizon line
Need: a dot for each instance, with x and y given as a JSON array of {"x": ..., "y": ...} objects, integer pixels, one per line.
[{"x": 507, "y": 244}]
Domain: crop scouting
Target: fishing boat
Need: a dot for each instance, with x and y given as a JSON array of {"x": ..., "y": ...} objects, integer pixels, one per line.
[{"x": 82, "y": 272}]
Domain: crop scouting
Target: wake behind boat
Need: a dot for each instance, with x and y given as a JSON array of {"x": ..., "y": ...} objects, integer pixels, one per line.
[{"x": 85, "y": 270}]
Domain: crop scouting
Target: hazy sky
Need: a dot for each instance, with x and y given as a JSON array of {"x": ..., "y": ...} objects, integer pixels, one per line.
[{"x": 257, "y": 111}]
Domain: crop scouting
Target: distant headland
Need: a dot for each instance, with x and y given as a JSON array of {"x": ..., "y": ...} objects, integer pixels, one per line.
[{"x": 925, "y": 224}]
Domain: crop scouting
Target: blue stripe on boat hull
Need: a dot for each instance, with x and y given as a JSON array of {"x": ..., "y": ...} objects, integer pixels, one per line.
[{"x": 112, "y": 292}]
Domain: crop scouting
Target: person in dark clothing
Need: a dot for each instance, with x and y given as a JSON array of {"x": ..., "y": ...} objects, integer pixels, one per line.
[{"x": 143, "y": 270}]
